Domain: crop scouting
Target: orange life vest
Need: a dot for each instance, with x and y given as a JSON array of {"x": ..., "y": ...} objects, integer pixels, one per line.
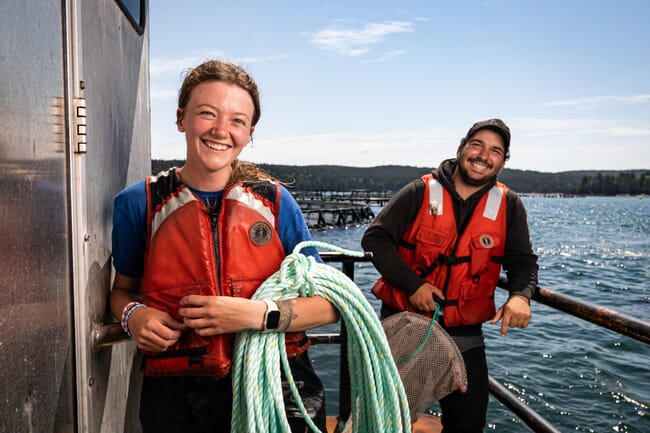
[
  {"x": 465, "y": 267},
  {"x": 180, "y": 260}
]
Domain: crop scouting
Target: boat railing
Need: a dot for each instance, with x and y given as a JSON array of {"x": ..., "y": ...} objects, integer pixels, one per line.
[{"x": 109, "y": 334}]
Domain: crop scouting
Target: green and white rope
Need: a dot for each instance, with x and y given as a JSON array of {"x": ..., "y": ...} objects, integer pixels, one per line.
[{"x": 379, "y": 401}]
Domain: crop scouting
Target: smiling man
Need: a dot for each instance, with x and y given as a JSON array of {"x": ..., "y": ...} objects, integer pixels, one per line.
[{"x": 444, "y": 238}]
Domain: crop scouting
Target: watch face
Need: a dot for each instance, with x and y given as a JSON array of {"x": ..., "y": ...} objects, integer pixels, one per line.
[{"x": 272, "y": 319}]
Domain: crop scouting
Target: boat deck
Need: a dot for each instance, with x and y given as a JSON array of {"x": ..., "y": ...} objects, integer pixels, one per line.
[{"x": 424, "y": 424}]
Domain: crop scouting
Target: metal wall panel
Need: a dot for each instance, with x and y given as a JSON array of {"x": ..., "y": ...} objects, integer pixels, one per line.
[
  {"x": 55, "y": 209},
  {"x": 35, "y": 284},
  {"x": 114, "y": 67}
]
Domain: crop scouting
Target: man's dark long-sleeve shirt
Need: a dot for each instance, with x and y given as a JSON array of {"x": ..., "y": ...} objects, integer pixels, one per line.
[{"x": 383, "y": 234}]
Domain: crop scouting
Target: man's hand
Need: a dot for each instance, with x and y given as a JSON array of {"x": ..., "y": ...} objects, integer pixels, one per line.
[
  {"x": 423, "y": 300},
  {"x": 515, "y": 313}
]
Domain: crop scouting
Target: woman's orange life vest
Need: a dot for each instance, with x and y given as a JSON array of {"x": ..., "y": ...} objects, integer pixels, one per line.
[
  {"x": 190, "y": 252},
  {"x": 465, "y": 266}
]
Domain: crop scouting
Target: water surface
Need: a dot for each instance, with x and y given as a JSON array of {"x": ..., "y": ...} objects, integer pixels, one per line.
[{"x": 580, "y": 377}]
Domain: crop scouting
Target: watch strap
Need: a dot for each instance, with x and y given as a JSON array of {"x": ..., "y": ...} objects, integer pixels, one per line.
[{"x": 272, "y": 316}]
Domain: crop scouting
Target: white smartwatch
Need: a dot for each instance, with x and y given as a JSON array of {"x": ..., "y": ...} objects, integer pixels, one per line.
[{"x": 272, "y": 316}]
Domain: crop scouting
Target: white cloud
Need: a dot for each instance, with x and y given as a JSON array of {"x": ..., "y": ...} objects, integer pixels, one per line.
[
  {"x": 561, "y": 144},
  {"x": 355, "y": 42},
  {"x": 165, "y": 66},
  {"x": 402, "y": 147},
  {"x": 388, "y": 55},
  {"x": 600, "y": 100},
  {"x": 541, "y": 127},
  {"x": 626, "y": 131},
  {"x": 161, "y": 66},
  {"x": 165, "y": 70},
  {"x": 549, "y": 145}
]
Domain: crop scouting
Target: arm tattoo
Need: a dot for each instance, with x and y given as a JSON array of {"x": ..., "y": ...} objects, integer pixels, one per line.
[{"x": 286, "y": 314}]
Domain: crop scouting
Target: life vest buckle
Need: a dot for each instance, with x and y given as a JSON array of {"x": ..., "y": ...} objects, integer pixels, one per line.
[{"x": 195, "y": 362}]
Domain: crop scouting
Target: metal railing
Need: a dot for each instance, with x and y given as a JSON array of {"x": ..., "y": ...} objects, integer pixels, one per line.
[
  {"x": 618, "y": 322},
  {"x": 109, "y": 334}
]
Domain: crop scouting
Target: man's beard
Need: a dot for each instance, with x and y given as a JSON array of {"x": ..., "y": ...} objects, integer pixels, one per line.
[{"x": 462, "y": 171}]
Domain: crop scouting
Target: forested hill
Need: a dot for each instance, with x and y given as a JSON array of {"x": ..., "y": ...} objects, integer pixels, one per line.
[{"x": 393, "y": 177}]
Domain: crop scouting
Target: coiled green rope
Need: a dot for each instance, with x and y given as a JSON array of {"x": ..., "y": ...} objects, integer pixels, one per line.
[{"x": 377, "y": 391}]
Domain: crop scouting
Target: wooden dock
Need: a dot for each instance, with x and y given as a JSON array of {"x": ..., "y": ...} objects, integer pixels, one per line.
[
  {"x": 323, "y": 209},
  {"x": 358, "y": 196}
]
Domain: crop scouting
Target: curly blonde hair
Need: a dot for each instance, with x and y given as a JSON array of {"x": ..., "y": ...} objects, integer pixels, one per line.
[{"x": 247, "y": 172}]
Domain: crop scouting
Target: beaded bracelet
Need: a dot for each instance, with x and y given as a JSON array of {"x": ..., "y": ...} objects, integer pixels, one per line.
[{"x": 126, "y": 313}]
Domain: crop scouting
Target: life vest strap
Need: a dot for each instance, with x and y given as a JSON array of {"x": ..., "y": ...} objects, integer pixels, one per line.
[
  {"x": 407, "y": 245},
  {"x": 453, "y": 260},
  {"x": 196, "y": 351},
  {"x": 447, "y": 303}
]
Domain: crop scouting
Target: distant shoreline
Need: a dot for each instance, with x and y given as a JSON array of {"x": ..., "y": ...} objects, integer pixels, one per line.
[{"x": 394, "y": 177}]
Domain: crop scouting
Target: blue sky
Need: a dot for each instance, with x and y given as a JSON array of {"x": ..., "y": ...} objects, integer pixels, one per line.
[{"x": 367, "y": 83}]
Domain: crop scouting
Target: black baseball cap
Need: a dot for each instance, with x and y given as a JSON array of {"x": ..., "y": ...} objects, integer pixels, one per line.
[{"x": 496, "y": 125}]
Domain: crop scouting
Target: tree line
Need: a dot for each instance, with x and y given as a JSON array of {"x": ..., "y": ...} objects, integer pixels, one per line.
[
  {"x": 394, "y": 177},
  {"x": 623, "y": 183}
]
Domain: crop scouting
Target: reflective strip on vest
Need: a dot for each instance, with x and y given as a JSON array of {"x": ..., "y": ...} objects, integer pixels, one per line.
[
  {"x": 435, "y": 197},
  {"x": 493, "y": 203},
  {"x": 183, "y": 197},
  {"x": 491, "y": 207},
  {"x": 239, "y": 194},
  {"x": 165, "y": 173}
]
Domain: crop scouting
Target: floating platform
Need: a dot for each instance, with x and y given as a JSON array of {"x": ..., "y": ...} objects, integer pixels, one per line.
[
  {"x": 324, "y": 215},
  {"x": 323, "y": 209}
]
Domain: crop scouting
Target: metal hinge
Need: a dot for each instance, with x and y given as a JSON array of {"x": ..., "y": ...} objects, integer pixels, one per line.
[{"x": 79, "y": 120}]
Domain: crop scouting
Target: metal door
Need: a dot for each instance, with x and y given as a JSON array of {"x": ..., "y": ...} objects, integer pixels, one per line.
[
  {"x": 36, "y": 344},
  {"x": 74, "y": 130},
  {"x": 109, "y": 80}
]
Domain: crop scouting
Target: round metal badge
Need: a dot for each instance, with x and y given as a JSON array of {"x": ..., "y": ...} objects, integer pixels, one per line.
[
  {"x": 260, "y": 233},
  {"x": 486, "y": 241}
]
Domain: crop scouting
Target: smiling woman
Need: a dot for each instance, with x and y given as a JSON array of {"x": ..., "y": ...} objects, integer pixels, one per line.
[
  {"x": 191, "y": 246},
  {"x": 217, "y": 122}
]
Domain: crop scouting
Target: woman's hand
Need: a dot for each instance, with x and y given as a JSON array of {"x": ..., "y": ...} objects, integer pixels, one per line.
[
  {"x": 213, "y": 315},
  {"x": 154, "y": 330}
]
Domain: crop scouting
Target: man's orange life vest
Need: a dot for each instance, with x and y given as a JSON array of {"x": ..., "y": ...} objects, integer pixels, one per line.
[
  {"x": 464, "y": 266},
  {"x": 191, "y": 252}
]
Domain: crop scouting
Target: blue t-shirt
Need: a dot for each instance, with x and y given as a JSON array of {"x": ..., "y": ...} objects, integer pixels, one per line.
[{"x": 129, "y": 235}]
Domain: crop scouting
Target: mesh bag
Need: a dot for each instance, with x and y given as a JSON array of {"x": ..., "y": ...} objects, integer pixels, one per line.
[{"x": 427, "y": 359}]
